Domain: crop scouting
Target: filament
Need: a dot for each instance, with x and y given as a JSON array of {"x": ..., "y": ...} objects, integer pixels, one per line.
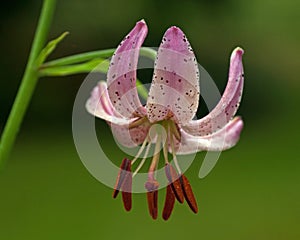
[
  {"x": 143, "y": 160},
  {"x": 140, "y": 150},
  {"x": 165, "y": 146},
  {"x": 155, "y": 158},
  {"x": 174, "y": 155}
]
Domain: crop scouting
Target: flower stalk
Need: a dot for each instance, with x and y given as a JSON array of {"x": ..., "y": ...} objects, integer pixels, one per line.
[
  {"x": 28, "y": 83},
  {"x": 36, "y": 68}
]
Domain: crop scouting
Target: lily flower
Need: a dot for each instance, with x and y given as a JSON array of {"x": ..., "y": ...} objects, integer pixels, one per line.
[{"x": 172, "y": 103}]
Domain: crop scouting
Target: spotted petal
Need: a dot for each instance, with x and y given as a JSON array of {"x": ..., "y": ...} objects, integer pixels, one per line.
[
  {"x": 229, "y": 103},
  {"x": 174, "y": 91},
  {"x": 130, "y": 137},
  {"x": 121, "y": 76},
  {"x": 221, "y": 140},
  {"x": 100, "y": 106}
]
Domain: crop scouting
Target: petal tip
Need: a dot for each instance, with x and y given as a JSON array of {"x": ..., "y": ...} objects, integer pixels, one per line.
[
  {"x": 141, "y": 23},
  {"x": 239, "y": 51},
  {"x": 93, "y": 100},
  {"x": 174, "y": 31},
  {"x": 238, "y": 119},
  {"x": 240, "y": 124},
  {"x": 237, "y": 126},
  {"x": 236, "y": 59}
]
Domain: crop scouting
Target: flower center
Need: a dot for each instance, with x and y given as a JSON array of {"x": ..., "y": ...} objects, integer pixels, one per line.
[{"x": 163, "y": 134}]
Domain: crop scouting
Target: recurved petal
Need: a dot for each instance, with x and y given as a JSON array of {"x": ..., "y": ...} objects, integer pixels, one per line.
[
  {"x": 221, "y": 140},
  {"x": 100, "y": 106},
  {"x": 174, "y": 91},
  {"x": 130, "y": 137},
  {"x": 229, "y": 103},
  {"x": 121, "y": 76}
]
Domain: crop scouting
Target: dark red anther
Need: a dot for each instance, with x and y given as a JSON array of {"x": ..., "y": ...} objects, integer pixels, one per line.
[
  {"x": 124, "y": 183},
  {"x": 152, "y": 197},
  {"x": 121, "y": 176},
  {"x": 169, "y": 203},
  {"x": 127, "y": 189},
  {"x": 188, "y": 193},
  {"x": 174, "y": 181}
]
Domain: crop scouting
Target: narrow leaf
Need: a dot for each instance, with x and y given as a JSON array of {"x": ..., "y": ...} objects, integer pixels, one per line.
[
  {"x": 99, "y": 65},
  {"x": 49, "y": 49}
]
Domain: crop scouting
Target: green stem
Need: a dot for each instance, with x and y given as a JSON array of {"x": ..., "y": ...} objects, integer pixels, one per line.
[
  {"x": 28, "y": 83},
  {"x": 82, "y": 57}
]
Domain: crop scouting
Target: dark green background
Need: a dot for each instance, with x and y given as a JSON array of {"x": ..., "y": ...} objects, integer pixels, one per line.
[{"x": 252, "y": 193}]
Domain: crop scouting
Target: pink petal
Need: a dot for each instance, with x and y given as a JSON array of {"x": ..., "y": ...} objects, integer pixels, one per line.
[
  {"x": 130, "y": 137},
  {"x": 100, "y": 106},
  {"x": 121, "y": 76},
  {"x": 221, "y": 140},
  {"x": 229, "y": 103},
  {"x": 174, "y": 91}
]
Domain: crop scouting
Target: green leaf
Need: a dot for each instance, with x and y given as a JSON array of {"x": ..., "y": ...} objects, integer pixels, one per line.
[
  {"x": 83, "y": 57},
  {"x": 50, "y": 47},
  {"x": 99, "y": 65}
]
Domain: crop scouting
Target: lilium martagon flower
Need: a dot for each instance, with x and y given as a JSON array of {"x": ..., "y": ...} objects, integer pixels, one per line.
[{"x": 172, "y": 102}]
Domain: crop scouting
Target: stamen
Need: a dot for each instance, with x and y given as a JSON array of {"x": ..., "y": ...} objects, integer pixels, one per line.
[
  {"x": 155, "y": 158},
  {"x": 152, "y": 185},
  {"x": 137, "y": 122},
  {"x": 143, "y": 160},
  {"x": 121, "y": 176},
  {"x": 169, "y": 203},
  {"x": 140, "y": 150},
  {"x": 165, "y": 141},
  {"x": 174, "y": 155},
  {"x": 165, "y": 148},
  {"x": 127, "y": 189},
  {"x": 174, "y": 181},
  {"x": 188, "y": 193},
  {"x": 184, "y": 183},
  {"x": 174, "y": 130},
  {"x": 152, "y": 195},
  {"x": 176, "y": 162}
]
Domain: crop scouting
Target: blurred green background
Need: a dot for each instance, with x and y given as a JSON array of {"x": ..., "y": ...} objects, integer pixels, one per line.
[{"x": 252, "y": 193}]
